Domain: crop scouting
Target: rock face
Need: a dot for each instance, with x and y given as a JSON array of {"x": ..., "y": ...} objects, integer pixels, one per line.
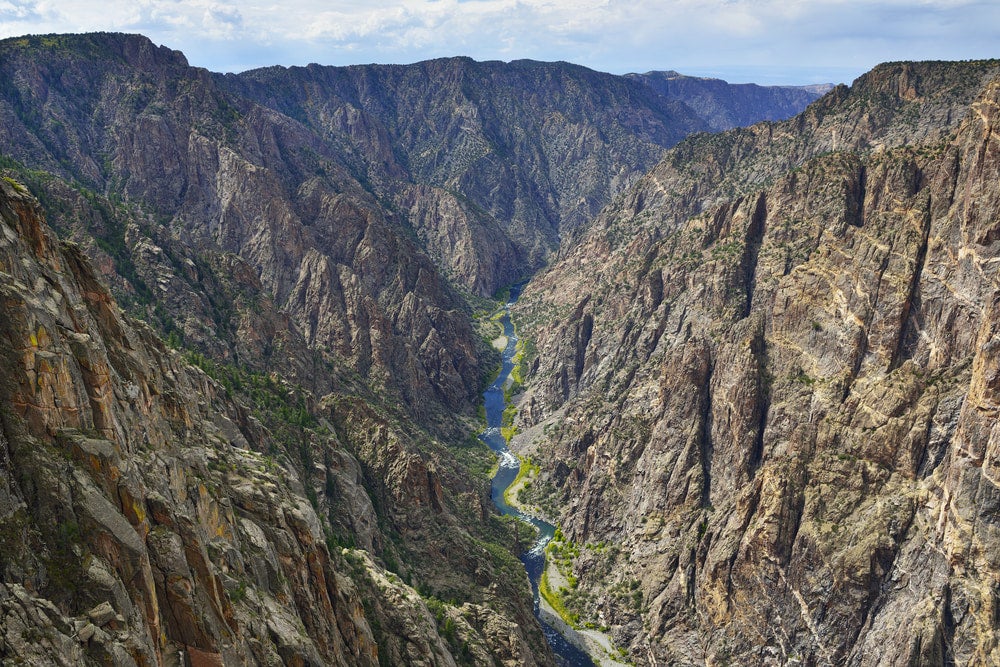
[
  {"x": 727, "y": 105},
  {"x": 114, "y": 453},
  {"x": 764, "y": 391},
  {"x": 149, "y": 517},
  {"x": 269, "y": 506}
]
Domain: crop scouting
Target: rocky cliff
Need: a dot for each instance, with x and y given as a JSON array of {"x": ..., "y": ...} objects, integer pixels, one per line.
[
  {"x": 269, "y": 479},
  {"x": 229, "y": 223},
  {"x": 763, "y": 396},
  {"x": 151, "y": 516},
  {"x": 761, "y": 386}
]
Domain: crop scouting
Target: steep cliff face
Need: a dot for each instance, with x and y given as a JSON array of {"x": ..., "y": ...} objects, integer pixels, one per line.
[
  {"x": 762, "y": 392},
  {"x": 148, "y": 515},
  {"x": 517, "y": 154},
  {"x": 726, "y": 105}
]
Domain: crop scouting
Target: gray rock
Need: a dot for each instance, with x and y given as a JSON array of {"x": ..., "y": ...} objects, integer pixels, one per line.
[
  {"x": 102, "y": 614},
  {"x": 86, "y": 632}
]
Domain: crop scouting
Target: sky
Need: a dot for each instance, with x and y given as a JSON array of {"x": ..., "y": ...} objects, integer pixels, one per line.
[{"x": 761, "y": 41}]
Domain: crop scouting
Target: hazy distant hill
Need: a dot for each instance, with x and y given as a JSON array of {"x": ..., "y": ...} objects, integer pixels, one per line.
[{"x": 727, "y": 105}]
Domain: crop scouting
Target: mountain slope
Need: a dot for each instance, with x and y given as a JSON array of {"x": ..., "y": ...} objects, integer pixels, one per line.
[
  {"x": 524, "y": 150},
  {"x": 762, "y": 391},
  {"x": 103, "y": 503},
  {"x": 191, "y": 176},
  {"x": 339, "y": 362},
  {"x": 343, "y": 372},
  {"x": 762, "y": 386}
]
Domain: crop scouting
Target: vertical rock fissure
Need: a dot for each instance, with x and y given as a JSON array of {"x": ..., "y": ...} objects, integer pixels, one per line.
[
  {"x": 796, "y": 507},
  {"x": 706, "y": 447},
  {"x": 927, "y": 462},
  {"x": 583, "y": 340},
  {"x": 863, "y": 343},
  {"x": 877, "y": 597},
  {"x": 754, "y": 239},
  {"x": 753, "y": 502},
  {"x": 947, "y": 630},
  {"x": 856, "y": 201}
]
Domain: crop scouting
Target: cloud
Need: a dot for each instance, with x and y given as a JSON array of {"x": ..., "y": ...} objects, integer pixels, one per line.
[
  {"x": 18, "y": 10},
  {"x": 781, "y": 40},
  {"x": 222, "y": 22}
]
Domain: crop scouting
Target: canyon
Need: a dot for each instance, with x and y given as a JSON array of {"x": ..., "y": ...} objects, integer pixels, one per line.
[{"x": 245, "y": 325}]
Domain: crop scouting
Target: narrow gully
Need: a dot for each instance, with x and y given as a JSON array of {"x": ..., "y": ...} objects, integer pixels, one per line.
[{"x": 567, "y": 654}]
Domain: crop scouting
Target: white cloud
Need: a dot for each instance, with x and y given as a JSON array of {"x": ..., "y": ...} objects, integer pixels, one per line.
[
  {"x": 740, "y": 36},
  {"x": 18, "y": 10}
]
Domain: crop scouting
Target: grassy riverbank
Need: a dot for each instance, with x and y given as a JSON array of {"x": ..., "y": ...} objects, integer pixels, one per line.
[
  {"x": 557, "y": 585},
  {"x": 526, "y": 474}
]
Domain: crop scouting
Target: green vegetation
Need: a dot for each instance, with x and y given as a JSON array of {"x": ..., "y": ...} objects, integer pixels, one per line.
[
  {"x": 803, "y": 378},
  {"x": 15, "y": 533},
  {"x": 574, "y": 603},
  {"x": 239, "y": 593},
  {"x": 555, "y": 601},
  {"x": 16, "y": 185},
  {"x": 539, "y": 493},
  {"x": 507, "y": 427},
  {"x": 560, "y": 553},
  {"x": 448, "y": 629},
  {"x": 64, "y": 561},
  {"x": 563, "y": 552},
  {"x": 525, "y": 353},
  {"x": 475, "y": 456},
  {"x": 525, "y": 474},
  {"x": 281, "y": 407}
]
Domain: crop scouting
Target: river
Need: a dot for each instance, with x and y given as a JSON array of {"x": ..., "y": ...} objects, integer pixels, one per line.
[{"x": 566, "y": 653}]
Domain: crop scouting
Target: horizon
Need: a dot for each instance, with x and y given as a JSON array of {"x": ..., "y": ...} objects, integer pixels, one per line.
[
  {"x": 767, "y": 42},
  {"x": 416, "y": 62},
  {"x": 712, "y": 74}
]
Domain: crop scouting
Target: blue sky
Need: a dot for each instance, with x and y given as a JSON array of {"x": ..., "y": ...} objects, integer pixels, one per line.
[{"x": 765, "y": 41}]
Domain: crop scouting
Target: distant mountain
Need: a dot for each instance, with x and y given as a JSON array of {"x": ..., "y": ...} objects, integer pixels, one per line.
[{"x": 724, "y": 106}]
